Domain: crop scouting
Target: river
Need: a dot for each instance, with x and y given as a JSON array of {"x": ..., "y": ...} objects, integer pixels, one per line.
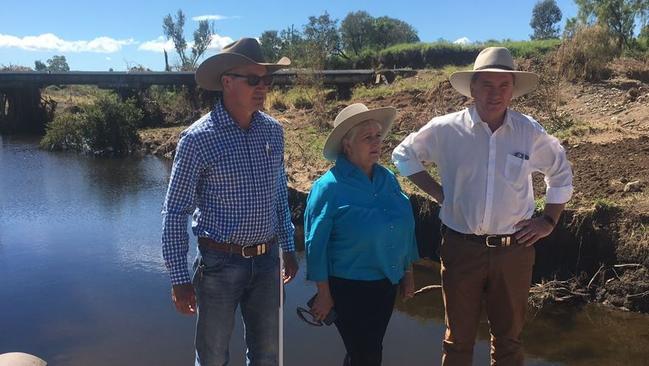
[{"x": 82, "y": 281}]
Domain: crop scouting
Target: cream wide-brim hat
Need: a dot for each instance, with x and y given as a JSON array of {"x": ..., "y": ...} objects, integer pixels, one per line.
[
  {"x": 245, "y": 51},
  {"x": 495, "y": 59},
  {"x": 20, "y": 359},
  {"x": 351, "y": 116}
]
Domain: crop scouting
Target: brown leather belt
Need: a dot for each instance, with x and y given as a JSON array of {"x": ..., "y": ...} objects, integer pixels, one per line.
[
  {"x": 491, "y": 241},
  {"x": 246, "y": 251}
]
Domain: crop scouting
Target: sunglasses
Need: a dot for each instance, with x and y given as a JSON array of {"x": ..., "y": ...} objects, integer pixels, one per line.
[
  {"x": 308, "y": 317},
  {"x": 253, "y": 80}
]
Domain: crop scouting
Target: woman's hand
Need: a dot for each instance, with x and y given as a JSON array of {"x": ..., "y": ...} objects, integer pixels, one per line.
[
  {"x": 407, "y": 286},
  {"x": 322, "y": 304}
]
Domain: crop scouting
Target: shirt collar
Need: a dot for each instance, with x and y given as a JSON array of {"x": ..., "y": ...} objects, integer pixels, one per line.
[
  {"x": 477, "y": 121},
  {"x": 221, "y": 117},
  {"x": 348, "y": 168}
]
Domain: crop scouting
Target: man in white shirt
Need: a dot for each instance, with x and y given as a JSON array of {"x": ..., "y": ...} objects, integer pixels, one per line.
[{"x": 485, "y": 155}]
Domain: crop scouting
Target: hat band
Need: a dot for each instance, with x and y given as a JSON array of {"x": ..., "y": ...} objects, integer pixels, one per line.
[{"x": 504, "y": 67}]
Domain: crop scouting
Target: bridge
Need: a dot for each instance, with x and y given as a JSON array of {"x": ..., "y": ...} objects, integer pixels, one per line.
[{"x": 22, "y": 107}]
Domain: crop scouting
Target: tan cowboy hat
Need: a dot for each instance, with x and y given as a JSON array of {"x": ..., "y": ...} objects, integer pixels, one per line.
[
  {"x": 350, "y": 117},
  {"x": 495, "y": 59},
  {"x": 245, "y": 51}
]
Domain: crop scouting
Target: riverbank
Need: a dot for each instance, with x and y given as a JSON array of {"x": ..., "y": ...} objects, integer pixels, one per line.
[{"x": 600, "y": 250}]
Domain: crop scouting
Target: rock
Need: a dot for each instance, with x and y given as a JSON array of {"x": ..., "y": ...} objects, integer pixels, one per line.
[
  {"x": 632, "y": 94},
  {"x": 634, "y": 186}
]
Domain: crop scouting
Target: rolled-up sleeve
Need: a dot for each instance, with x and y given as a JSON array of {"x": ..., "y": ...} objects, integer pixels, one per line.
[
  {"x": 551, "y": 160},
  {"x": 418, "y": 147},
  {"x": 178, "y": 204},
  {"x": 318, "y": 224}
]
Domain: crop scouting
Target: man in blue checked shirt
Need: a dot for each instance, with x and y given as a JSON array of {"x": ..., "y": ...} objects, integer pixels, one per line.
[{"x": 229, "y": 174}]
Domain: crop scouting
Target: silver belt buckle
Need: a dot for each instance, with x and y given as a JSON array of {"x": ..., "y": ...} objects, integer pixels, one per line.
[
  {"x": 505, "y": 241},
  {"x": 261, "y": 249},
  {"x": 243, "y": 251}
]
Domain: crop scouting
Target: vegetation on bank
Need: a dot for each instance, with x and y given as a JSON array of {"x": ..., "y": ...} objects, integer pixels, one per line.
[{"x": 106, "y": 127}]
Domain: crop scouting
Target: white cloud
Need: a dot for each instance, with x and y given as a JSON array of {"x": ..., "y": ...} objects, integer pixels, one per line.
[
  {"x": 51, "y": 42},
  {"x": 159, "y": 44},
  {"x": 214, "y": 17},
  {"x": 218, "y": 42},
  {"x": 108, "y": 58},
  {"x": 462, "y": 41}
]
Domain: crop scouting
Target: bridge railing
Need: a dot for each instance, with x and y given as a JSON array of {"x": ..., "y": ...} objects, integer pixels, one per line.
[{"x": 116, "y": 79}]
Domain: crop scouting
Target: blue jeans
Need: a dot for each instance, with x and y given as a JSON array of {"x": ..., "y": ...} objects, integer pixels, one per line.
[{"x": 224, "y": 281}]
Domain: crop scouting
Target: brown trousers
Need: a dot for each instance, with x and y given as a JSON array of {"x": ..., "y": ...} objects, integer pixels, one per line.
[{"x": 473, "y": 273}]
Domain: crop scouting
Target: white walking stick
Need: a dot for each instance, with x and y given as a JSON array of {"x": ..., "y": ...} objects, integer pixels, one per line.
[{"x": 281, "y": 308}]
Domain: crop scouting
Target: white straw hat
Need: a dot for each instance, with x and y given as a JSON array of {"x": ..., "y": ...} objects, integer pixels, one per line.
[
  {"x": 495, "y": 59},
  {"x": 350, "y": 117}
]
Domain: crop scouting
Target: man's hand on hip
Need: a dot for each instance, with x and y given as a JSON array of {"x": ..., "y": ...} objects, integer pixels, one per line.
[
  {"x": 184, "y": 298},
  {"x": 290, "y": 266},
  {"x": 532, "y": 230}
]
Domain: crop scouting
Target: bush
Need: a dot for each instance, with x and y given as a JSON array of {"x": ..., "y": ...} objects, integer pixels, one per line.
[
  {"x": 164, "y": 105},
  {"x": 109, "y": 126},
  {"x": 585, "y": 55},
  {"x": 64, "y": 133},
  {"x": 528, "y": 49},
  {"x": 302, "y": 102},
  {"x": 439, "y": 54}
]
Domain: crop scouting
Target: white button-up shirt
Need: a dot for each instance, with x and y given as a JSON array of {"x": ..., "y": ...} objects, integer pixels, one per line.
[{"x": 486, "y": 177}]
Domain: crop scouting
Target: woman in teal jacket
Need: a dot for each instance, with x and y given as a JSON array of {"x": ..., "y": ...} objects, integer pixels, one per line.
[{"x": 359, "y": 234}]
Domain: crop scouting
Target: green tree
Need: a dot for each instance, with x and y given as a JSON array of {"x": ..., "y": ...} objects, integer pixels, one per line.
[
  {"x": 390, "y": 31},
  {"x": 292, "y": 44},
  {"x": 572, "y": 24},
  {"x": 271, "y": 45},
  {"x": 174, "y": 30},
  {"x": 322, "y": 38},
  {"x": 618, "y": 16},
  {"x": 39, "y": 66},
  {"x": 545, "y": 15},
  {"x": 357, "y": 31},
  {"x": 57, "y": 64}
]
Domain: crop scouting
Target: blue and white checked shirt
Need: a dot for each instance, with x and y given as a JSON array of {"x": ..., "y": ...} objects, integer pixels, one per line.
[{"x": 233, "y": 181}]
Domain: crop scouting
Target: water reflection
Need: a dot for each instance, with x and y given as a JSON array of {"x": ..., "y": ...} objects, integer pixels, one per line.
[{"x": 83, "y": 283}]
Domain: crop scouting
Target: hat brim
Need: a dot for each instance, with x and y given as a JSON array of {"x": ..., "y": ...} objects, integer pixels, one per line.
[
  {"x": 333, "y": 145},
  {"x": 208, "y": 75},
  {"x": 524, "y": 81}
]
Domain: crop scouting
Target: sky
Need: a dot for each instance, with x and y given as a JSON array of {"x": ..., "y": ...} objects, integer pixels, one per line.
[{"x": 118, "y": 34}]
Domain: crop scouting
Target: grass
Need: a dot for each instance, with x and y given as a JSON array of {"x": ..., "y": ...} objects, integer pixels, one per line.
[
  {"x": 299, "y": 97},
  {"x": 640, "y": 233},
  {"x": 74, "y": 95},
  {"x": 424, "y": 80},
  {"x": 604, "y": 205},
  {"x": 569, "y": 128},
  {"x": 528, "y": 48}
]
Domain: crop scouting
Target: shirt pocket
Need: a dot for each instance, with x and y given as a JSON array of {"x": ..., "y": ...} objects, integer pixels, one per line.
[{"x": 516, "y": 168}]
